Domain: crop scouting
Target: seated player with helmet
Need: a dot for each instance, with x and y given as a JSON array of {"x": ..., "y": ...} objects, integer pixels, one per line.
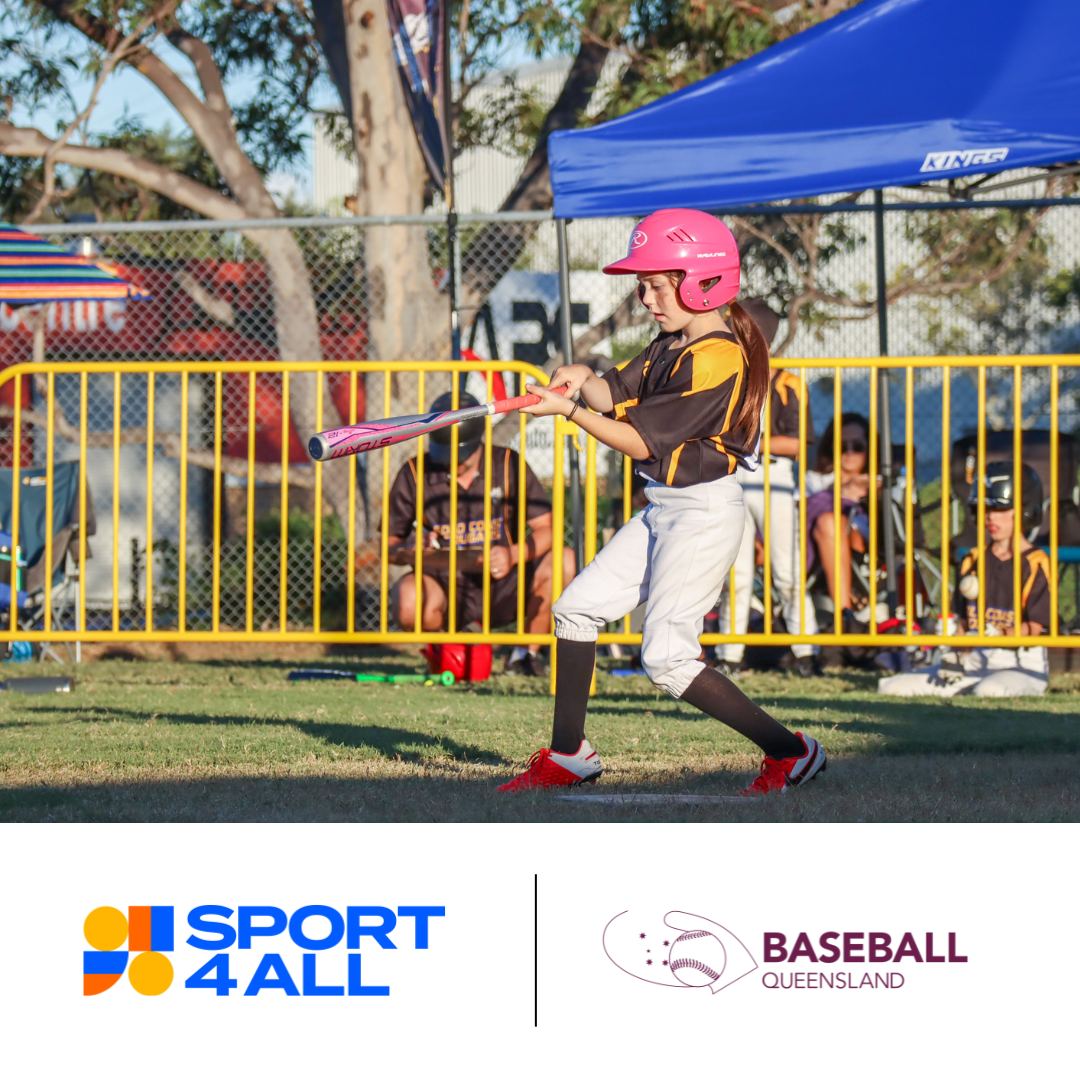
[
  {"x": 506, "y": 547},
  {"x": 995, "y": 672}
]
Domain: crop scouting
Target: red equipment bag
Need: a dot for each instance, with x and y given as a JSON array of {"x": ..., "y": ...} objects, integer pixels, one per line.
[{"x": 467, "y": 663}]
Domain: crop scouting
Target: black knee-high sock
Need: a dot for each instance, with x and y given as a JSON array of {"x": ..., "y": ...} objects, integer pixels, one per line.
[
  {"x": 718, "y": 696},
  {"x": 574, "y": 663}
]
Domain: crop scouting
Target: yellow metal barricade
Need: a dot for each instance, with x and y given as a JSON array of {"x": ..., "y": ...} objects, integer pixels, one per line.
[
  {"x": 907, "y": 632},
  {"x": 177, "y": 626},
  {"x": 108, "y": 625}
]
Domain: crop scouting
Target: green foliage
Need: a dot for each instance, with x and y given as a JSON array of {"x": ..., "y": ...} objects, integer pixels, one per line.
[
  {"x": 671, "y": 44},
  {"x": 301, "y": 527}
]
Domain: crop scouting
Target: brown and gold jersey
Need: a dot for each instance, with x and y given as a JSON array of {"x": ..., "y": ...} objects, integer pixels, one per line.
[
  {"x": 784, "y": 407},
  {"x": 470, "y": 505},
  {"x": 1034, "y": 591},
  {"x": 683, "y": 402}
]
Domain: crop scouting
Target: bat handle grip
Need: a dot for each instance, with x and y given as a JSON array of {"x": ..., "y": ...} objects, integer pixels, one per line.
[{"x": 523, "y": 402}]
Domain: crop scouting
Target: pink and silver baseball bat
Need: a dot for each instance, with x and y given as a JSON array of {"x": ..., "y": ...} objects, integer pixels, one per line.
[{"x": 375, "y": 434}]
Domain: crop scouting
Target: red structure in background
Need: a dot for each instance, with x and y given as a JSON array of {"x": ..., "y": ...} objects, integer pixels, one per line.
[{"x": 173, "y": 325}]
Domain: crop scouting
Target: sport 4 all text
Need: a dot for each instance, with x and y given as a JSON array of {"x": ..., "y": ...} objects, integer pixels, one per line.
[{"x": 256, "y": 927}]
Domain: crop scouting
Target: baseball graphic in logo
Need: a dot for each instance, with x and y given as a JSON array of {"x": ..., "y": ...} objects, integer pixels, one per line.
[
  {"x": 697, "y": 958},
  {"x": 676, "y": 949},
  {"x": 638, "y": 239}
]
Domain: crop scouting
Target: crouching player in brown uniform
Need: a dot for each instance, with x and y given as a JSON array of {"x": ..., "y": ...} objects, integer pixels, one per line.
[
  {"x": 995, "y": 672},
  {"x": 507, "y": 549}
]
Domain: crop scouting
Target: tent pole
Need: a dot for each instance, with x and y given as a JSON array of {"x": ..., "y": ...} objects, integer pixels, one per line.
[
  {"x": 454, "y": 255},
  {"x": 566, "y": 334},
  {"x": 884, "y": 412}
]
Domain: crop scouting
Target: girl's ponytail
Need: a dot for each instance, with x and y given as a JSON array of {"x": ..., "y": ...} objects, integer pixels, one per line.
[{"x": 756, "y": 350}]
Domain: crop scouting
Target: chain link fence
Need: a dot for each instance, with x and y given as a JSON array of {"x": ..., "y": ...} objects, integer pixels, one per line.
[{"x": 979, "y": 280}]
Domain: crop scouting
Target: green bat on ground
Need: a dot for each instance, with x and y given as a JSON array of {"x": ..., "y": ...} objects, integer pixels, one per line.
[{"x": 445, "y": 678}]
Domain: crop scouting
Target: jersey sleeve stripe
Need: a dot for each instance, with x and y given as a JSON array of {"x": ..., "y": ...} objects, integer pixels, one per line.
[{"x": 1037, "y": 560}]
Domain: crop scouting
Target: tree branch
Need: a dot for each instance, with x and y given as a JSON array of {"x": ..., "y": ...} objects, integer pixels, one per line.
[{"x": 29, "y": 142}]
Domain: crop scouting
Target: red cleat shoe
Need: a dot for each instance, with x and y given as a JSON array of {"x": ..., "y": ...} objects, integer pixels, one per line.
[
  {"x": 789, "y": 772},
  {"x": 548, "y": 769}
]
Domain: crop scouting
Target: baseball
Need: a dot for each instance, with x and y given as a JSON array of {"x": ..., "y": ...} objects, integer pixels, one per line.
[
  {"x": 969, "y": 586},
  {"x": 697, "y": 958}
]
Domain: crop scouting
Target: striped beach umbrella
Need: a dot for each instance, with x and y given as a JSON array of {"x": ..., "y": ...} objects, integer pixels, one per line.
[{"x": 33, "y": 271}]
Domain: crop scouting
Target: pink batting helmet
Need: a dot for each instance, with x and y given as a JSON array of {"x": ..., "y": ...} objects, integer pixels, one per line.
[{"x": 691, "y": 241}]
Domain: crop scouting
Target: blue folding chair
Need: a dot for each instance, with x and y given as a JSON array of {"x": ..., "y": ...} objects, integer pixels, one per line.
[{"x": 64, "y": 572}]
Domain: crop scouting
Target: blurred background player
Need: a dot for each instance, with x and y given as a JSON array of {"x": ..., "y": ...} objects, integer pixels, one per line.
[
  {"x": 507, "y": 549},
  {"x": 995, "y": 672},
  {"x": 784, "y": 548}
]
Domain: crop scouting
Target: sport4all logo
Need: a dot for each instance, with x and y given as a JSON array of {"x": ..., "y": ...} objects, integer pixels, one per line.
[
  {"x": 316, "y": 951},
  {"x": 148, "y": 934}
]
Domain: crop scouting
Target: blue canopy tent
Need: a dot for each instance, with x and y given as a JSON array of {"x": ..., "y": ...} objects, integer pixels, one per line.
[{"x": 890, "y": 92}]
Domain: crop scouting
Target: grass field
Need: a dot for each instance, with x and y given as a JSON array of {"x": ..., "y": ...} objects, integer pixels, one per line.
[{"x": 233, "y": 741}]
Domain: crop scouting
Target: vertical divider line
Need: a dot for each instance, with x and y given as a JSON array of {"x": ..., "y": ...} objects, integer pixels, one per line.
[
  {"x": 909, "y": 501},
  {"x": 418, "y": 565},
  {"x": 149, "y": 498},
  {"x": 946, "y": 498},
  {"x": 802, "y": 546},
  {"x": 286, "y": 432},
  {"x": 316, "y": 555},
  {"x": 1054, "y": 480},
  {"x": 384, "y": 534},
  {"x": 215, "y": 586},
  {"x": 485, "y": 607},
  {"x": 249, "y": 524},
  {"x": 875, "y": 498},
  {"x": 1018, "y": 494},
  {"x": 181, "y": 594},
  {"x": 838, "y": 427},
  {"x": 83, "y": 406},
  {"x": 50, "y": 435},
  {"x": 536, "y": 950},
  {"x": 16, "y": 467},
  {"x": 115, "y": 499}
]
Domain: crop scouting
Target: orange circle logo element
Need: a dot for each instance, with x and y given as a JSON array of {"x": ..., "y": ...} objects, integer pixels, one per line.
[
  {"x": 151, "y": 974},
  {"x": 105, "y": 929}
]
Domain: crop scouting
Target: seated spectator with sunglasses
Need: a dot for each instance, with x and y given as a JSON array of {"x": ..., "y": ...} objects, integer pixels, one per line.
[{"x": 854, "y": 524}]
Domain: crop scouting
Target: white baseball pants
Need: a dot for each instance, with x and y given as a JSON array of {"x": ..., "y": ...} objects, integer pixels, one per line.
[
  {"x": 673, "y": 557},
  {"x": 784, "y": 553}
]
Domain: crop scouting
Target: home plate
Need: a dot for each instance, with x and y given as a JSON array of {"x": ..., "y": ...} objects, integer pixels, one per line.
[{"x": 631, "y": 799}]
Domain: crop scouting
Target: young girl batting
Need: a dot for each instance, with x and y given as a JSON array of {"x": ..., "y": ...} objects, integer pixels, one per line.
[{"x": 687, "y": 410}]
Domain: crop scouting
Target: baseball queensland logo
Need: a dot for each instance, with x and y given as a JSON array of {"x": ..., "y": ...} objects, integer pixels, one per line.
[
  {"x": 683, "y": 951},
  {"x": 314, "y": 951}
]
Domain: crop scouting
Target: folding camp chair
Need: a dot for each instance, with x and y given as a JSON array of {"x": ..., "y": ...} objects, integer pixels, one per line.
[{"x": 64, "y": 571}]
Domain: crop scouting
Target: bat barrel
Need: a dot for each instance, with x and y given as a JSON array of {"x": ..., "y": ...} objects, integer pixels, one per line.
[{"x": 319, "y": 447}]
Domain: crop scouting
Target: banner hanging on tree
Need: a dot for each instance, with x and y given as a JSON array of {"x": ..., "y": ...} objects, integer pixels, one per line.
[{"x": 417, "y": 28}]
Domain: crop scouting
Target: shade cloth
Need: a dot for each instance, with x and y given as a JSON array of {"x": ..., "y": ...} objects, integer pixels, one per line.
[{"x": 889, "y": 92}]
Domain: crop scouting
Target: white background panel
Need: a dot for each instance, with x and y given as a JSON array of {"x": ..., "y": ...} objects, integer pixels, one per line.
[{"x": 465, "y": 1005}]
